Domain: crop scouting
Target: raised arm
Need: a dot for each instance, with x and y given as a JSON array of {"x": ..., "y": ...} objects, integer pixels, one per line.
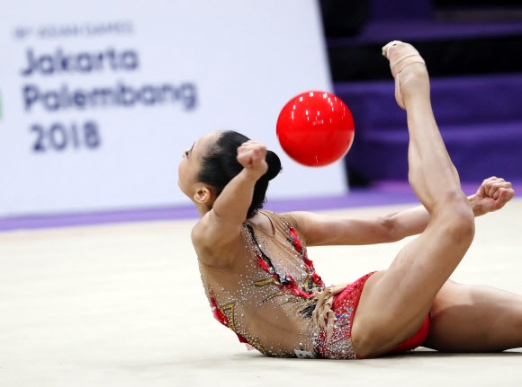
[
  {"x": 318, "y": 229},
  {"x": 217, "y": 233},
  {"x": 232, "y": 205}
]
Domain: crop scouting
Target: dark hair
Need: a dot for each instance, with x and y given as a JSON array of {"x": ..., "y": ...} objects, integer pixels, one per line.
[{"x": 220, "y": 166}]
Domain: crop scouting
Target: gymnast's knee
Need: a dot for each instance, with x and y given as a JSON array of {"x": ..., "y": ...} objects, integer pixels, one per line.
[{"x": 455, "y": 217}]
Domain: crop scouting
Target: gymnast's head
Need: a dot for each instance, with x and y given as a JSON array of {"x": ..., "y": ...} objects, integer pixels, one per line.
[{"x": 211, "y": 164}]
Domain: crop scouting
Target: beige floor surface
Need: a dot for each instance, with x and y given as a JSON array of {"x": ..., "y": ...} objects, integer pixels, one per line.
[{"x": 122, "y": 305}]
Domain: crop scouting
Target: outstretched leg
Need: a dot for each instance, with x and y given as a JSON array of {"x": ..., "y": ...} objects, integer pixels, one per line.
[
  {"x": 475, "y": 319},
  {"x": 394, "y": 303}
]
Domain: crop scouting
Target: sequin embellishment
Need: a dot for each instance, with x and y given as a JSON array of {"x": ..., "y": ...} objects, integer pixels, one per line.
[
  {"x": 268, "y": 296},
  {"x": 338, "y": 345}
]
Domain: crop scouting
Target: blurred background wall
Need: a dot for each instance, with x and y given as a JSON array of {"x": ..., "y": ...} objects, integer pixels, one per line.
[
  {"x": 98, "y": 99},
  {"x": 473, "y": 49}
]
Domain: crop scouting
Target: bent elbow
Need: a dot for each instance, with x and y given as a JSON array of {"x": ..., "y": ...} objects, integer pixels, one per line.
[{"x": 391, "y": 229}]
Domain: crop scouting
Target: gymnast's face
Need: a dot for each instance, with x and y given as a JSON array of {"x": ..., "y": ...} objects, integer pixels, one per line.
[{"x": 190, "y": 164}]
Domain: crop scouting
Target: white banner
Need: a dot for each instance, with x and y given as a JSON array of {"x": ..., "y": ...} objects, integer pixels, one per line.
[{"x": 98, "y": 98}]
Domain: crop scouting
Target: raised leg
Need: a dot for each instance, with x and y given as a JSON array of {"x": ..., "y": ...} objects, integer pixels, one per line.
[
  {"x": 394, "y": 303},
  {"x": 475, "y": 319}
]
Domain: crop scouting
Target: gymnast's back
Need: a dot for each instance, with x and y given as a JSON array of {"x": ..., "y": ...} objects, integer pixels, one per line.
[{"x": 266, "y": 296}]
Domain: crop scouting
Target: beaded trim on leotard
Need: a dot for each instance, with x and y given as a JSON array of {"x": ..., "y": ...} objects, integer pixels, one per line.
[
  {"x": 300, "y": 291},
  {"x": 287, "y": 282},
  {"x": 336, "y": 342}
]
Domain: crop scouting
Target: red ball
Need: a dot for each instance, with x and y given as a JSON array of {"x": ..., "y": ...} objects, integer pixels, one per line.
[{"x": 315, "y": 128}]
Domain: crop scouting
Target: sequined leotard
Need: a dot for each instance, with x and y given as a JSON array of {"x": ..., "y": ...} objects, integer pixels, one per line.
[{"x": 268, "y": 297}]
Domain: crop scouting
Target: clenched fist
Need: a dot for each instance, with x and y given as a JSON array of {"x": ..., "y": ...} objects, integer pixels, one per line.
[
  {"x": 492, "y": 195},
  {"x": 251, "y": 155}
]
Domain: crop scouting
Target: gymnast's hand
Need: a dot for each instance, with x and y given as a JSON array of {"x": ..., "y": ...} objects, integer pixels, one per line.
[
  {"x": 251, "y": 155},
  {"x": 492, "y": 195}
]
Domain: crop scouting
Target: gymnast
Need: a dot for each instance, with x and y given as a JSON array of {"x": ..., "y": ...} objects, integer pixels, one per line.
[{"x": 261, "y": 283}]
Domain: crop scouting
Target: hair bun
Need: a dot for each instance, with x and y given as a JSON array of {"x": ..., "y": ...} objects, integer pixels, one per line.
[{"x": 274, "y": 165}]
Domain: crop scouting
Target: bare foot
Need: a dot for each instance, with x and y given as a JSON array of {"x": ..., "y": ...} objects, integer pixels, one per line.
[{"x": 409, "y": 70}]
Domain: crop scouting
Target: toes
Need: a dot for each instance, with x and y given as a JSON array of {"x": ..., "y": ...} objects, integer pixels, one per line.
[
  {"x": 400, "y": 55},
  {"x": 386, "y": 48}
]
